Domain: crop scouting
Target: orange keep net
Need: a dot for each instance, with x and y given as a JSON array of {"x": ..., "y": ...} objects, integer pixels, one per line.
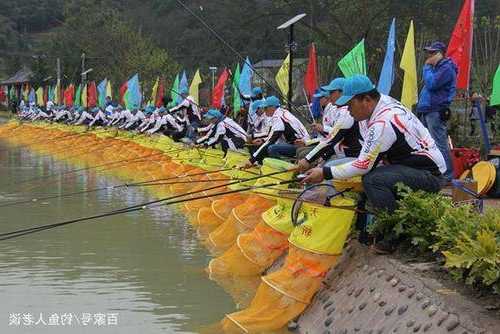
[
  {"x": 282, "y": 295},
  {"x": 252, "y": 253},
  {"x": 243, "y": 219}
]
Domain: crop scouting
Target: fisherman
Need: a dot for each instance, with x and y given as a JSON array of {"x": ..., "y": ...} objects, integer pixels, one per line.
[
  {"x": 226, "y": 132},
  {"x": 257, "y": 95},
  {"x": 85, "y": 117},
  {"x": 393, "y": 134},
  {"x": 285, "y": 131},
  {"x": 343, "y": 137},
  {"x": 137, "y": 118},
  {"x": 100, "y": 118},
  {"x": 191, "y": 110}
]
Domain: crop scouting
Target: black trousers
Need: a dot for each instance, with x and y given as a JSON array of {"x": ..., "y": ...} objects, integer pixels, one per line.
[{"x": 380, "y": 184}]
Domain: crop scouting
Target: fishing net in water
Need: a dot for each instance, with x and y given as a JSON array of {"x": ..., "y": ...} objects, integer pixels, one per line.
[
  {"x": 322, "y": 219},
  {"x": 243, "y": 219},
  {"x": 209, "y": 218}
]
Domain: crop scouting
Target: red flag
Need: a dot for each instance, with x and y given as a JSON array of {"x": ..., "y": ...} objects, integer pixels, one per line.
[
  {"x": 69, "y": 94},
  {"x": 160, "y": 93},
  {"x": 3, "y": 96},
  {"x": 311, "y": 76},
  {"x": 91, "y": 94},
  {"x": 218, "y": 93},
  {"x": 123, "y": 90},
  {"x": 460, "y": 46},
  {"x": 45, "y": 95}
]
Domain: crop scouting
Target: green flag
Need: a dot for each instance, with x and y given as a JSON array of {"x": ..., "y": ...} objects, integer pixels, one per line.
[
  {"x": 174, "y": 92},
  {"x": 236, "y": 91},
  {"x": 78, "y": 95},
  {"x": 495, "y": 94},
  {"x": 354, "y": 62}
]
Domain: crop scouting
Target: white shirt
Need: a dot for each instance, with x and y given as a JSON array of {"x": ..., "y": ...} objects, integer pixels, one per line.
[{"x": 394, "y": 131}]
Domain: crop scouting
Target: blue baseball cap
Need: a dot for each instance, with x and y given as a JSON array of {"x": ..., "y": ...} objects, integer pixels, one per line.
[
  {"x": 162, "y": 109},
  {"x": 213, "y": 113},
  {"x": 271, "y": 101},
  {"x": 436, "y": 46},
  {"x": 321, "y": 93},
  {"x": 259, "y": 104},
  {"x": 256, "y": 91},
  {"x": 335, "y": 84},
  {"x": 357, "y": 84}
]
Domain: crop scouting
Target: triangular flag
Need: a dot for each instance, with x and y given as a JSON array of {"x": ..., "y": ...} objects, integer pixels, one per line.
[
  {"x": 123, "y": 91},
  {"x": 39, "y": 96},
  {"x": 460, "y": 46},
  {"x": 193, "y": 89},
  {"x": 409, "y": 95},
  {"x": 69, "y": 95},
  {"x": 174, "y": 92},
  {"x": 495, "y": 95},
  {"x": 84, "y": 96},
  {"x": 109, "y": 92},
  {"x": 133, "y": 97},
  {"x": 183, "y": 85},
  {"x": 387, "y": 73},
  {"x": 218, "y": 91},
  {"x": 246, "y": 76},
  {"x": 236, "y": 91},
  {"x": 311, "y": 76},
  {"x": 354, "y": 62},
  {"x": 101, "y": 92},
  {"x": 78, "y": 97},
  {"x": 91, "y": 95},
  {"x": 32, "y": 96},
  {"x": 282, "y": 76},
  {"x": 154, "y": 92}
]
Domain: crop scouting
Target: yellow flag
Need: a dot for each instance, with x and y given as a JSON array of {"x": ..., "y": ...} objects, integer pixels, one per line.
[
  {"x": 282, "y": 76},
  {"x": 84, "y": 96},
  {"x": 39, "y": 96},
  {"x": 409, "y": 95},
  {"x": 193, "y": 89},
  {"x": 108, "y": 90},
  {"x": 154, "y": 93}
]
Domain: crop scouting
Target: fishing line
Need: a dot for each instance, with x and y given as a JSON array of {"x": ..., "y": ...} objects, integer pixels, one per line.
[{"x": 19, "y": 233}]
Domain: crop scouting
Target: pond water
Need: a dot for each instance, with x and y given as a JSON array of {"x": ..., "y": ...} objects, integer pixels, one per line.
[{"x": 130, "y": 273}]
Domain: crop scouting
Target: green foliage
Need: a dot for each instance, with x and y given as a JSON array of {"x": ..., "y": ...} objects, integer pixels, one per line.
[
  {"x": 469, "y": 241},
  {"x": 415, "y": 219},
  {"x": 476, "y": 252}
]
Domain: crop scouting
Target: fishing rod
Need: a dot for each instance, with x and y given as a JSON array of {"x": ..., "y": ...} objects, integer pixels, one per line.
[
  {"x": 123, "y": 185},
  {"x": 45, "y": 177},
  {"x": 22, "y": 232},
  {"x": 239, "y": 55}
]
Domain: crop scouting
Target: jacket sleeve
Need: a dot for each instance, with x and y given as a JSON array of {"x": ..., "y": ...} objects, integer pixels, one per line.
[
  {"x": 435, "y": 79},
  {"x": 379, "y": 139}
]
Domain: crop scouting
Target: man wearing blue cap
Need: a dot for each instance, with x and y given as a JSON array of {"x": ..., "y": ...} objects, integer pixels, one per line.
[
  {"x": 190, "y": 108},
  {"x": 440, "y": 77},
  {"x": 226, "y": 132},
  {"x": 342, "y": 140},
  {"x": 286, "y": 130},
  {"x": 392, "y": 135},
  {"x": 99, "y": 118},
  {"x": 252, "y": 118}
]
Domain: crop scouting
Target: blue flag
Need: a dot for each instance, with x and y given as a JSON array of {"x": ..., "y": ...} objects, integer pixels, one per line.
[
  {"x": 316, "y": 106},
  {"x": 32, "y": 96},
  {"x": 387, "y": 74},
  {"x": 101, "y": 93},
  {"x": 183, "y": 86},
  {"x": 246, "y": 76},
  {"x": 133, "y": 96}
]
